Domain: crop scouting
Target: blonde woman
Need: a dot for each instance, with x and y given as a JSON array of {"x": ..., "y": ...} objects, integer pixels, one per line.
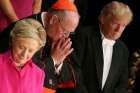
[{"x": 18, "y": 74}]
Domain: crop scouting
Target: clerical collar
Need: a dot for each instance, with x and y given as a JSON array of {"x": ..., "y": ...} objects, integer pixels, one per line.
[{"x": 43, "y": 15}]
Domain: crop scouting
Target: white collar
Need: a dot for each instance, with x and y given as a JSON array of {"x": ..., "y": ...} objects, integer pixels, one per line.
[
  {"x": 43, "y": 17},
  {"x": 107, "y": 41}
]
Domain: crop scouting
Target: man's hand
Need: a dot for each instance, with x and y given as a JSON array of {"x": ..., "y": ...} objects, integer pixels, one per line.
[{"x": 61, "y": 49}]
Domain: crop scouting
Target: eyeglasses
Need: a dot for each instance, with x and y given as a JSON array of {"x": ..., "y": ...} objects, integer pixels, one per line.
[{"x": 65, "y": 32}]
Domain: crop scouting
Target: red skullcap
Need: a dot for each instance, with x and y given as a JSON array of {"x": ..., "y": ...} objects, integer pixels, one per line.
[{"x": 64, "y": 5}]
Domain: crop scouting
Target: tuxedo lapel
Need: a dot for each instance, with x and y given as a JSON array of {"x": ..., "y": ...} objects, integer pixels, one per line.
[{"x": 99, "y": 58}]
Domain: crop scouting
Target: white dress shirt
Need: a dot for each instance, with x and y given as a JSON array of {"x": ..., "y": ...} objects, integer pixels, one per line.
[{"x": 107, "y": 45}]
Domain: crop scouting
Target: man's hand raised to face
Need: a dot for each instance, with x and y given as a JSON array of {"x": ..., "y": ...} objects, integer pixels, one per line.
[{"x": 60, "y": 50}]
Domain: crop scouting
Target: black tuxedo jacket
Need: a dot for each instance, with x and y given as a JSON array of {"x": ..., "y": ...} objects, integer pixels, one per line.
[{"x": 88, "y": 47}]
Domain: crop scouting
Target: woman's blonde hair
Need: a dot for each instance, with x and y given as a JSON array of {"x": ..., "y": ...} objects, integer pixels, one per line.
[{"x": 29, "y": 28}]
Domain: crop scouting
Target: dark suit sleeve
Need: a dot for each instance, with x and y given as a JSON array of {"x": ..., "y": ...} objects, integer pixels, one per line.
[
  {"x": 51, "y": 80},
  {"x": 47, "y": 65},
  {"x": 123, "y": 81},
  {"x": 66, "y": 73}
]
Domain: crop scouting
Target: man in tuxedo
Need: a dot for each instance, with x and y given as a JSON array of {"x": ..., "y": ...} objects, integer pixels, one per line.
[
  {"x": 60, "y": 21},
  {"x": 103, "y": 58}
]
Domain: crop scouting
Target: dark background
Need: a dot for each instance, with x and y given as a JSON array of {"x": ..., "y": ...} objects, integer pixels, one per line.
[{"x": 90, "y": 9}]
